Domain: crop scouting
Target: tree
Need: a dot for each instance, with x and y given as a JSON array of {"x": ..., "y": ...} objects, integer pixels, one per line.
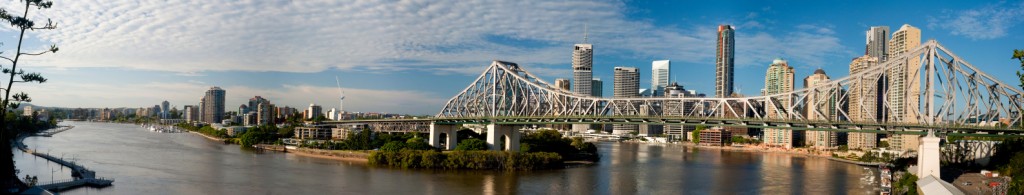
[
  {"x": 471, "y": 144},
  {"x": 393, "y": 146},
  {"x": 1019, "y": 55},
  {"x": 21, "y": 23},
  {"x": 883, "y": 144},
  {"x": 417, "y": 143}
]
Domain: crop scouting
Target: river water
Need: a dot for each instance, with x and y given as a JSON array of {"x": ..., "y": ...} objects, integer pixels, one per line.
[{"x": 144, "y": 162}]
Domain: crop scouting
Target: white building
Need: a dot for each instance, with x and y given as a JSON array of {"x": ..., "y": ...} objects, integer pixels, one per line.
[{"x": 659, "y": 77}]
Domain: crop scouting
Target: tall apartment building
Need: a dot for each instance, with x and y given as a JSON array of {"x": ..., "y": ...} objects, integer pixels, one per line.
[
  {"x": 904, "y": 85},
  {"x": 820, "y": 105},
  {"x": 877, "y": 44},
  {"x": 659, "y": 76},
  {"x": 314, "y": 111},
  {"x": 864, "y": 102},
  {"x": 724, "y": 56},
  {"x": 213, "y": 105},
  {"x": 626, "y": 85},
  {"x": 779, "y": 79},
  {"x": 582, "y": 74}
]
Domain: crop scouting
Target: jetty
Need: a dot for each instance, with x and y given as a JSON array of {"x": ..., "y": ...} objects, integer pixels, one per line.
[{"x": 81, "y": 176}]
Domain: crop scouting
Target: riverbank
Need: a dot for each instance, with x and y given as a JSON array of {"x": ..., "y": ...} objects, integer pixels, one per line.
[
  {"x": 342, "y": 155},
  {"x": 208, "y": 137}
]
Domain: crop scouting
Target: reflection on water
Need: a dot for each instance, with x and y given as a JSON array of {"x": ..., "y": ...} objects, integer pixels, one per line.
[{"x": 146, "y": 162}]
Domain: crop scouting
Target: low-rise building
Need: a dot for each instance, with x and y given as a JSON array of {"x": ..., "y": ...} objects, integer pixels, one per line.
[
  {"x": 313, "y": 132},
  {"x": 715, "y": 137}
]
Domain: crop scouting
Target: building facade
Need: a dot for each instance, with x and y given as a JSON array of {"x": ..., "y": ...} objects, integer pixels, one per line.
[
  {"x": 779, "y": 79},
  {"x": 865, "y": 102},
  {"x": 724, "y": 56},
  {"x": 820, "y": 106},
  {"x": 715, "y": 137},
  {"x": 314, "y": 111},
  {"x": 660, "y": 71},
  {"x": 904, "y": 85},
  {"x": 626, "y": 85},
  {"x": 877, "y": 44},
  {"x": 582, "y": 74},
  {"x": 213, "y": 105}
]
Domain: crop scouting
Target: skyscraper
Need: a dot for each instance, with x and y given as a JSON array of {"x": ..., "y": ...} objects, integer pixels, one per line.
[
  {"x": 778, "y": 79},
  {"x": 582, "y": 75},
  {"x": 626, "y": 85},
  {"x": 597, "y": 87},
  {"x": 724, "y": 61},
  {"x": 659, "y": 76},
  {"x": 562, "y": 84},
  {"x": 904, "y": 84},
  {"x": 820, "y": 105},
  {"x": 213, "y": 105},
  {"x": 877, "y": 42},
  {"x": 864, "y": 104},
  {"x": 314, "y": 111},
  {"x": 165, "y": 109}
]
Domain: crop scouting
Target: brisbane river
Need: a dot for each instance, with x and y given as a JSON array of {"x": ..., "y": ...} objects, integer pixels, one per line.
[{"x": 144, "y": 162}]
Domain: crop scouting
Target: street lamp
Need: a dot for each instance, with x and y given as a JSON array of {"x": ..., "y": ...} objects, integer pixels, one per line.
[{"x": 51, "y": 174}]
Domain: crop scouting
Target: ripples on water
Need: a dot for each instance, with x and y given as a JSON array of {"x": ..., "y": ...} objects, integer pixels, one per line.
[{"x": 144, "y": 162}]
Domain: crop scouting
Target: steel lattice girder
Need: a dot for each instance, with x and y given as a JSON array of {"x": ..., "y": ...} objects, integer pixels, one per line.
[{"x": 954, "y": 93}]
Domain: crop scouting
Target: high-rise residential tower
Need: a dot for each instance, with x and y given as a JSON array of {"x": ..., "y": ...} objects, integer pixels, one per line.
[
  {"x": 877, "y": 42},
  {"x": 864, "y": 102},
  {"x": 904, "y": 85},
  {"x": 627, "y": 85},
  {"x": 820, "y": 105},
  {"x": 724, "y": 61},
  {"x": 778, "y": 79},
  {"x": 213, "y": 105},
  {"x": 659, "y": 76}
]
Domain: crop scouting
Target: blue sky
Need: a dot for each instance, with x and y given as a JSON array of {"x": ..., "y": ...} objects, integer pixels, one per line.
[{"x": 411, "y": 56}]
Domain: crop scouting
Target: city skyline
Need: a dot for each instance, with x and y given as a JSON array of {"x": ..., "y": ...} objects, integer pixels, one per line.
[{"x": 374, "y": 82}]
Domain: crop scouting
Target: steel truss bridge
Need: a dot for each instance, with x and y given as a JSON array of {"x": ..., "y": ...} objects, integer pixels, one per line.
[
  {"x": 950, "y": 95},
  {"x": 927, "y": 89}
]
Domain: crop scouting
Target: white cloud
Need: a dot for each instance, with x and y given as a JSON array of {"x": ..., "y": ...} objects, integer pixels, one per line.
[
  {"x": 192, "y": 36},
  {"x": 987, "y": 22}
]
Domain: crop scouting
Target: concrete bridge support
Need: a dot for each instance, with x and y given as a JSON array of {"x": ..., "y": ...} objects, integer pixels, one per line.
[
  {"x": 443, "y": 132},
  {"x": 928, "y": 156},
  {"x": 503, "y": 137}
]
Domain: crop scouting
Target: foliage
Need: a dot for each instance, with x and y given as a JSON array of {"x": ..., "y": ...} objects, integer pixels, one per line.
[
  {"x": 488, "y": 160},
  {"x": 210, "y": 131},
  {"x": 548, "y": 141},
  {"x": 844, "y": 148},
  {"x": 467, "y": 134},
  {"x": 696, "y": 135},
  {"x": 417, "y": 143},
  {"x": 21, "y": 23},
  {"x": 393, "y": 146},
  {"x": 905, "y": 184},
  {"x": 883, "y": 144},
  {"x": 1019, "y": 55},
  {"x": 471, "y": 144},
  {"x": 258, "y": 134},
  {"x": 744, "y": 140}
]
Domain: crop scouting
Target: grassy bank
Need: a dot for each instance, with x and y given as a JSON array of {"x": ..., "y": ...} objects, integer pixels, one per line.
[{"x": 483, "y": 160}]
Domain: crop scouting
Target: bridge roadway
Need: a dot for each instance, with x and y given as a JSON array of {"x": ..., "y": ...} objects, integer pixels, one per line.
[{"x": 416, "y": 125}]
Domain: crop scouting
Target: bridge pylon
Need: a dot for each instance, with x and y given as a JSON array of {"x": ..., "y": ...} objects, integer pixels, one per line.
[{"x": 447, "y": 133}]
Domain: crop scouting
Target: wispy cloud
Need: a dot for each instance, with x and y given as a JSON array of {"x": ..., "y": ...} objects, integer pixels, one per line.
[
  {"x": 311, "y": 36},
  {"x": 986, "y": 22}
]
